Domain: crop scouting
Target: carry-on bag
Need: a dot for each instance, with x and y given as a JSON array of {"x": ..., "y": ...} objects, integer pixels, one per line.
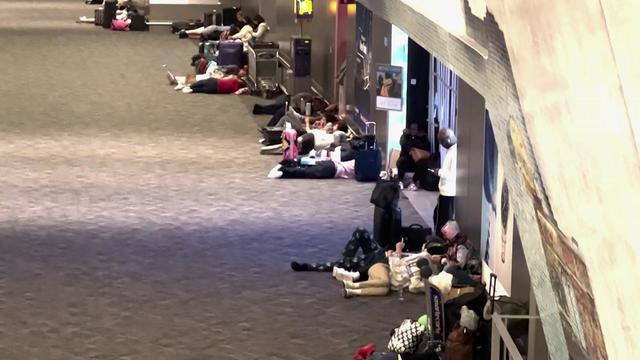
[
  {"x": 369, "y": 158},
  {"x": 138, "y": 23},
  {"x": 368, "y": 164},
  {"x": 414, "y": 237},
  {"x": 230, "y": 53},
  {"x": 289, "y": 144},
  {"x": 212, "y": 18},
  {"x": 98, "y": 16},
  {"x": 208, "y": 18}
]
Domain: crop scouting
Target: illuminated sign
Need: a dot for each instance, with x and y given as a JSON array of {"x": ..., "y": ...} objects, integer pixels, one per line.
[{"x": 304, "y": 9}]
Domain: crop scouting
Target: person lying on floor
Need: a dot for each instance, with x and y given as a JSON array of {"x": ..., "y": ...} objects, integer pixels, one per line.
[
  {"x": 324, "y": 169},
  {"x": 329, "y": 131},
  {"x": 294, "y": 114},
  {"x": 215, "y": 32},
  {"x": 231, "y": 84},
  {"x": 213, "y": 71},
  {"x": 364, "y": 273},
  {"x": 298, "y": 121},
  {"x": 351, "y": 262}
]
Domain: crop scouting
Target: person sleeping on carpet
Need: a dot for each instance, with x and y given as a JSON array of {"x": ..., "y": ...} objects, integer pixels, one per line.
[
  {"x": 213, "y": 71},
  {"x": 231, "y": 84},
  {"x": 335, "y": 168}
]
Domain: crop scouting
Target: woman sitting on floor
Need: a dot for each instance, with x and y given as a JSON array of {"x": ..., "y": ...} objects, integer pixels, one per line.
[{"x": 257, "y": 29}]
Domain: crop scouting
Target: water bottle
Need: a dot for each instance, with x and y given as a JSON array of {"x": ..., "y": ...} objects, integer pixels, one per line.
[{"x": 307, "y": 109}]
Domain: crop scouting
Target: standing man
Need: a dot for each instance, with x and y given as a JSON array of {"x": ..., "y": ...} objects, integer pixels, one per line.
[{"x": 445, "y": 209}]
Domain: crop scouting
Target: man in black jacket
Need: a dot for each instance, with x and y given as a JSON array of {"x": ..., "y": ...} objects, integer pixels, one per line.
[{"x": 414, "y": 137}]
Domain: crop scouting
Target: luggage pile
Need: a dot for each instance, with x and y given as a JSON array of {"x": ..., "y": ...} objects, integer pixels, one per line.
[
  {"x": 128, "y": 18},
  {"x": 456, "y": 322}
]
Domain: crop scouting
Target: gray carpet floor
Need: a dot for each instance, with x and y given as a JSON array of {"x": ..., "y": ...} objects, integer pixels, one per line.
[{"x": 138, "y": 223}]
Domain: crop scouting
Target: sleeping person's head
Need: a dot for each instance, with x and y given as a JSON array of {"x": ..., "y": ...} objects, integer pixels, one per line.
[
  {"x": 257, "y": 20},
  {"x": 341, "y": 125}
]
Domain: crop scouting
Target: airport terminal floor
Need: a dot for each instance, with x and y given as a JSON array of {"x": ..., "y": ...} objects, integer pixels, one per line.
[{"x": 138, "y": 223}]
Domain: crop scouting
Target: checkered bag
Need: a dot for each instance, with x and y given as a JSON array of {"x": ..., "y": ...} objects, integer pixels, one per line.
[{"x": 406, "y": 337}]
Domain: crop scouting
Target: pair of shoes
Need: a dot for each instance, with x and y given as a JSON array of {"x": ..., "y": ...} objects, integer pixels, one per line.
[
  {"x": 182, "y": 34},
  {"x": 344, "y": 275}
]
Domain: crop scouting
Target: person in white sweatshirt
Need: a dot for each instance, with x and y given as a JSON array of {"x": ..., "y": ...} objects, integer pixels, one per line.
[{"x": 445, "y": 210}]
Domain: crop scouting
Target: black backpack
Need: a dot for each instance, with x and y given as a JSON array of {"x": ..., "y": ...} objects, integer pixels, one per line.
[{"x": 387, "y": 216}]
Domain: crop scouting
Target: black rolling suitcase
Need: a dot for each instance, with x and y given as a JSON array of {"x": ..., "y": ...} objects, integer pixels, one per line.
[
  {"x": 109, "y": 13},
  {"x": 98, "y": 16},
  {"x": 229, "y": 16},
  {"x": 369, "y": 159},
  {"x": 212, "y": 18}
]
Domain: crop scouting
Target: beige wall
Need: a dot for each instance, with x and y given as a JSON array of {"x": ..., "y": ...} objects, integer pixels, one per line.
[
  {"x": 572, "y": 92},
  {"x": 563, "y": 89}
]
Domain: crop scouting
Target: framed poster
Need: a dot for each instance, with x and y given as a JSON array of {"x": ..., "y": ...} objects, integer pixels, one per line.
[{"x": 389, "y": 87}]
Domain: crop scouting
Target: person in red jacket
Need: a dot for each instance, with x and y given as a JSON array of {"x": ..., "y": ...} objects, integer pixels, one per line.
[{"x": 227, "y": 85}]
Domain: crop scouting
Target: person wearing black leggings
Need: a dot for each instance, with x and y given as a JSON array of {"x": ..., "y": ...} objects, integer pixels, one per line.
[{"x": 351, "y": 260}]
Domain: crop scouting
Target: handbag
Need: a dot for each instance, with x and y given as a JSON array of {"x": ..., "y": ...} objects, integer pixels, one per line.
[
  {"x": 406, "y": 337},
  {"x": 414, "y": 237}
]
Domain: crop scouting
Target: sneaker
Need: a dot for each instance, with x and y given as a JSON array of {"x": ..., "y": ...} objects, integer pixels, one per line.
[
  {"x": 261, "y": 141},
  {"x": 171, "y": 78},
  {"x": 178, "y": 87},
  {"x": 344, "y": 275},
  {"x": 275, "y": 173},
  {"x": 187, "y": 90},
  {"x": 345, "y": 292},
  {"x": 183, "y": 34},
  {"x": 271, "y": 147},
  {"x": 348, "y": 284}
]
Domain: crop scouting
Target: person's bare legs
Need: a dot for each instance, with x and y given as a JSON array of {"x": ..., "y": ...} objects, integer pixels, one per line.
[
  {"x": 195, "y": 32},
  {"x": 377, "y": 285}
]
